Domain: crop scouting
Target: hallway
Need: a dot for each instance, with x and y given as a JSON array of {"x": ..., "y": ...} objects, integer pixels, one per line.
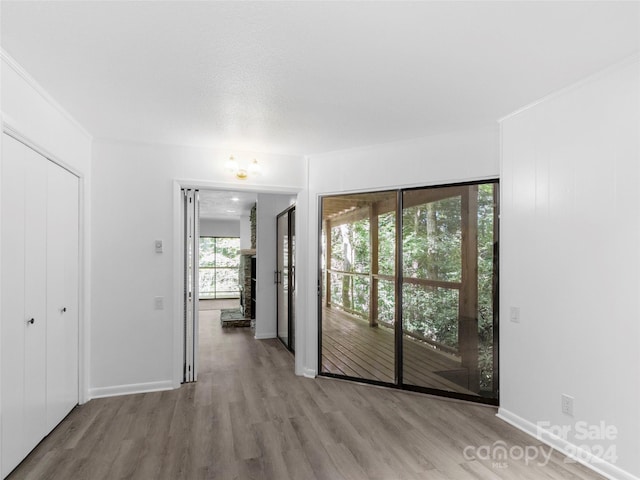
[{"x": 249, "y": 416}]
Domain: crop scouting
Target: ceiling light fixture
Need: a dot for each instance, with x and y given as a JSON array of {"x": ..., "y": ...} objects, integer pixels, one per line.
[{"x": 233, "y": 166}]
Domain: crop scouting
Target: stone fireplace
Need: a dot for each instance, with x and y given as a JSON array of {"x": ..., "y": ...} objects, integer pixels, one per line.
[{"x": 246, "y": 282}]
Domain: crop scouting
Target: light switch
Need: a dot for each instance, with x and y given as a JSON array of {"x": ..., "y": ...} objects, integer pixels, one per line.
[
  {"x": 159, "y": 303},
  {"x": 158, "y": 246}
]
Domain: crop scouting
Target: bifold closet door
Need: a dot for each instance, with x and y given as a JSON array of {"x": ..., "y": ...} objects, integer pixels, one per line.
[
  {"x": 23, "y": 328},
  {"x": 62, "y": 293},
  {"x": 39, "y": 328},
  {"x": 191, "y": 215}
]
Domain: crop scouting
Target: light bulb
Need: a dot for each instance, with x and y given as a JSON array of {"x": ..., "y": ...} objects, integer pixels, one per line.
[{"x": 254, "y": 168}]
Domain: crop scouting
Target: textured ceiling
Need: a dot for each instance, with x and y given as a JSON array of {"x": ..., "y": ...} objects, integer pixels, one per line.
[
  {"x": 225, "y": 205},
  {"x": 307, "y": 77}
]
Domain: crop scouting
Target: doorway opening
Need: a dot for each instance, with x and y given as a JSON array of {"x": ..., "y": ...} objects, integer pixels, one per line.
[
  {"x": 218, "y": 237},
  {"x": 227, "y": 284}
]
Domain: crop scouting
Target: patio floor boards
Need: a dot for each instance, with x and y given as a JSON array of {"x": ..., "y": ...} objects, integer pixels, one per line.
[{"x": 351, "y": 348}]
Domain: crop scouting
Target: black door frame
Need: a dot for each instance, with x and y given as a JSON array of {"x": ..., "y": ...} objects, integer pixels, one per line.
[
  {"x": 398, "y": 344},
  {"x": 290, "y": 343}
]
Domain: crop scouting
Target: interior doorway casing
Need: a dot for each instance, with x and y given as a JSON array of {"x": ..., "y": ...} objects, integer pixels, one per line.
[{"x": 178, "y": 259}]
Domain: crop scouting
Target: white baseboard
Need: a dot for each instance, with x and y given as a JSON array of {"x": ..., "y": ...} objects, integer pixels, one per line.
[
  {"x": 580, "y": 455},
  {"x": 114, "y": 391},
  {"x": 309, "y": 373},
  {"x": 265, "y": 336}
]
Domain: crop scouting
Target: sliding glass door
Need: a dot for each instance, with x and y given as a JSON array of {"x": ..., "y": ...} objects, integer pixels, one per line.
[
  {"x": 358, "y": 300},
  {"x": 285, "y": 277},
  {"x": 426, "y": 257}
]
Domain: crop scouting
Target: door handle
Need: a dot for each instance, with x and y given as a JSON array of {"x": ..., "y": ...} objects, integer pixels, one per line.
[{"x": 31, "y": 321}]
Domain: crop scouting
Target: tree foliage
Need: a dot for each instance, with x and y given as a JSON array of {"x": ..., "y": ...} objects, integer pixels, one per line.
[{"x": 219, "y": 266}]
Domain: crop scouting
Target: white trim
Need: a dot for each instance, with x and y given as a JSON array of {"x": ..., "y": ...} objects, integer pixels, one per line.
[
  {"x": 627, "y": 62},
  {"x": 16, "y": 67},
  {"x": 10, "y": 128},
  {"x": 310, "y": 373},
  {"x": 1, "y": 294},
  {"x": 178, "y": 286},
  {"x": 84, "y": 293},
  {"x": 265, "y": 336},
  {"x": 233, "y": 187},
  {"x": 131, "y": 389},
  {"x": 572, "y": 451}
]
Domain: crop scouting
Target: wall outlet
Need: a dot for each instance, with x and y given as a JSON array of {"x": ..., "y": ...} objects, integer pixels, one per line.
[
  {"x": 514, "y": 314},
  {"x": 159, "y": 303},
  {"x": 567, "y": 405}
]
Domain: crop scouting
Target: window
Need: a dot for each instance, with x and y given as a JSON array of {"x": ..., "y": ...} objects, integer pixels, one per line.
[{"x": 219, "y": 267}]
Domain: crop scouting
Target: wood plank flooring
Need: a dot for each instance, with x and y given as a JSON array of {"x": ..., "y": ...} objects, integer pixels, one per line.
[
  {"x": 350, "y": 347},
  {"x": 250, "y": 417}
]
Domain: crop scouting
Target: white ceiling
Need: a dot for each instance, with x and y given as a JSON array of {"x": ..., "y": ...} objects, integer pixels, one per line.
[
  {"x": 305, "y": 77},
  {"x": 225, "y": 205}
]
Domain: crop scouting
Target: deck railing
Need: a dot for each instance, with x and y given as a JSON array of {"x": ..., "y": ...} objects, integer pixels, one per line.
[{"x": 364, "y": 313}]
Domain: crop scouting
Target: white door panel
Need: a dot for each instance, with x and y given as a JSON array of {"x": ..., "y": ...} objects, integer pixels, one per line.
[
  {"x": 35, "y": 264},
  {"x": 62, "y": 294},
  {"x": 14, "y": 319}
]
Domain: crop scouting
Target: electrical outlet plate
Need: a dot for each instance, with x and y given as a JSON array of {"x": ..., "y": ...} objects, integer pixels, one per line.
[
  {"x": 567, "y": 405},
  {"x": 515, "y": 314}
]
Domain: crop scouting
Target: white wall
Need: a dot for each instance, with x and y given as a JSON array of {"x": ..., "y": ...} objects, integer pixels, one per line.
[
  {"x": 569, "y": 259},
  {"x": 454, "y": 157},
  {"x": 32, "y": 112},
  {"x": 136, "y": 200},
  {"x": 245, "y": 231},
  {"x": 269, "y": 206},
  {"x": 219, "y": 228},
  {"x": 34, "y": 116}
]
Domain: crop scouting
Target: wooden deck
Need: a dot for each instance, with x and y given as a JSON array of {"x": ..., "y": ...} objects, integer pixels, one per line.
[{"x": 350, "y": 347}]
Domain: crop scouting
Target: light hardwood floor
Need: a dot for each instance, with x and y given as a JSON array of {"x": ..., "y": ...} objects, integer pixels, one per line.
[{"x": 249, "y": 417}]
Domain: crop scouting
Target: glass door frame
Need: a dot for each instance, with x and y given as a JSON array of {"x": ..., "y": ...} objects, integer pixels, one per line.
[
  {"x": 290, "y": 277},
  {"x": 399, "y": 282}
]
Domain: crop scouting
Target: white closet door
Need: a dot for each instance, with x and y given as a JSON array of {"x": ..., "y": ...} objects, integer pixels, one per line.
[
  {"x": 35, "y": 265},
  {"x": 14, "y": 319},
  {"x": 62, "y": 294},
  {"x": 24, "y": 237}
]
